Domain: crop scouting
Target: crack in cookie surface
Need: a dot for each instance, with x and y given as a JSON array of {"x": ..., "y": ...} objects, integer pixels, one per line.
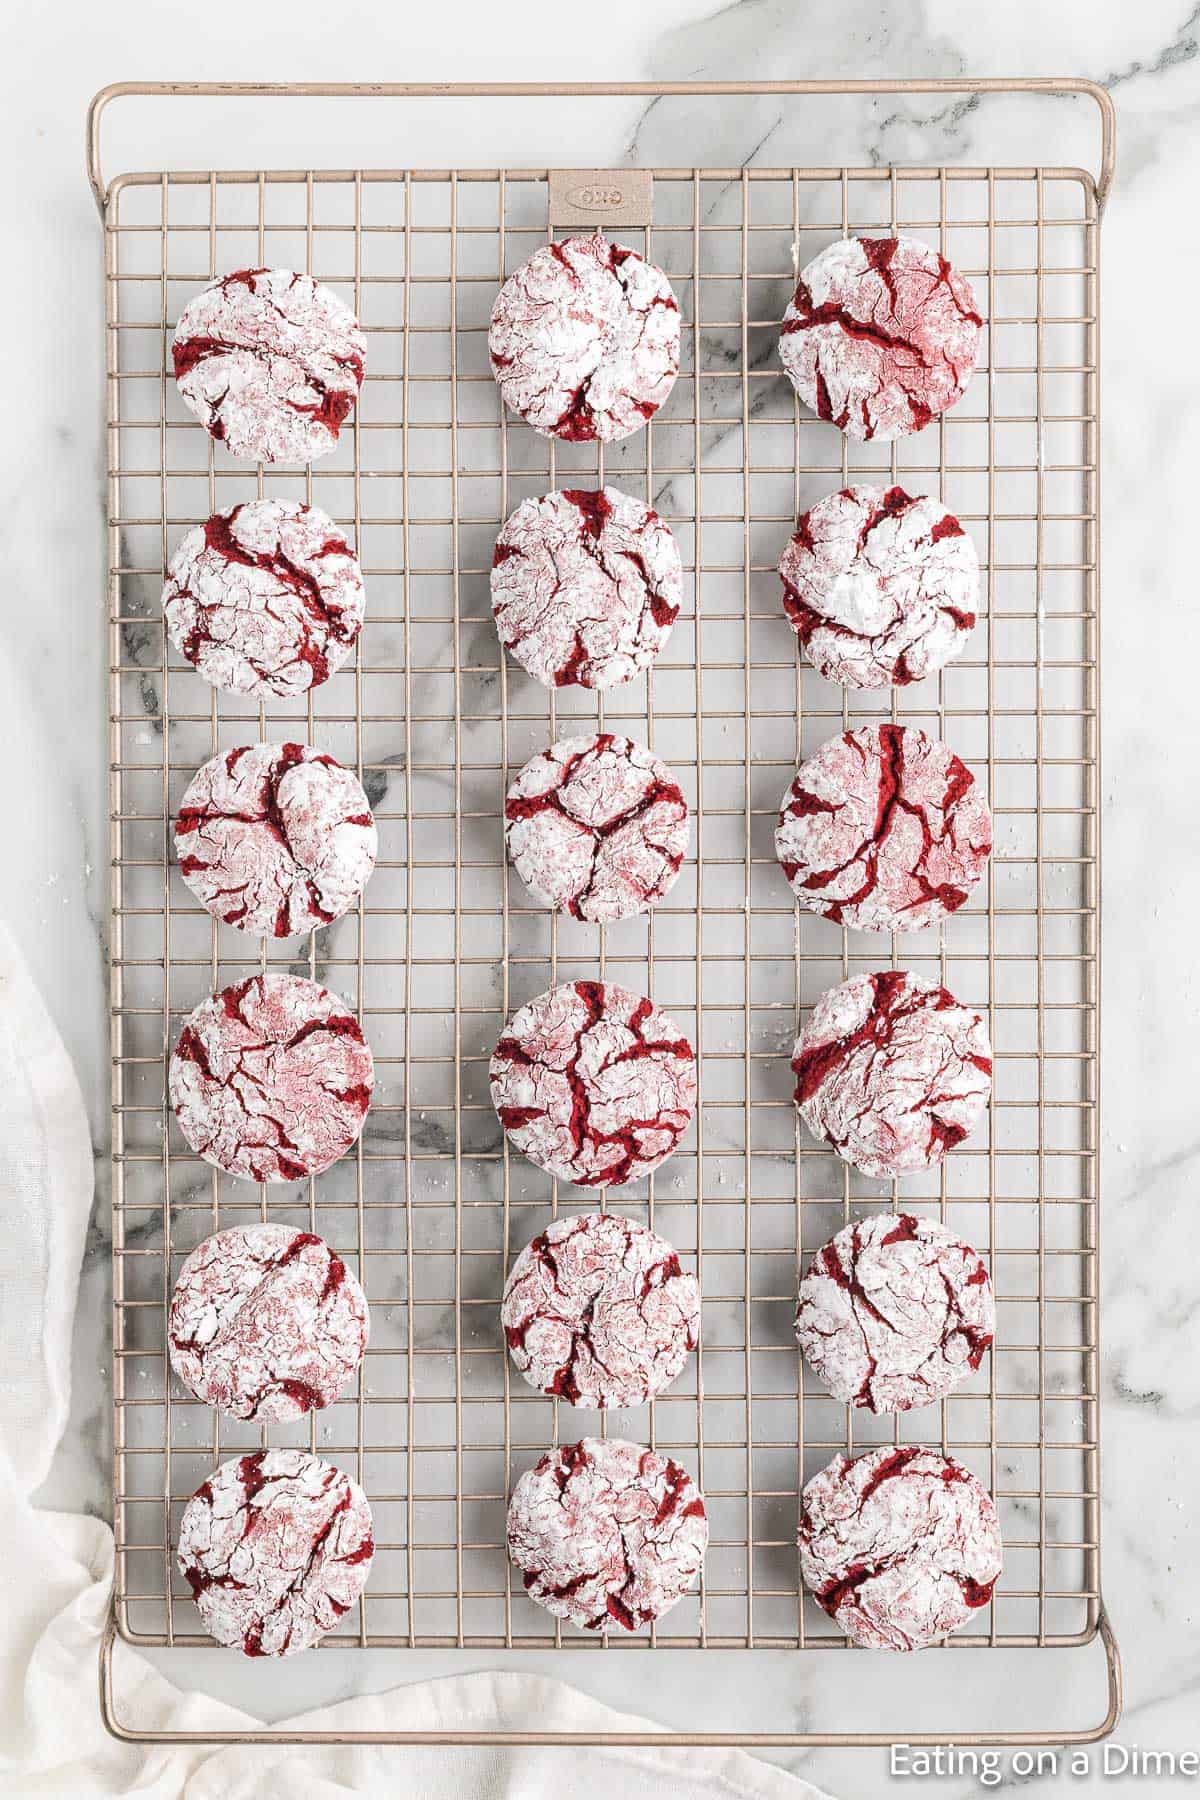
[
  {"x": 900, "y": 1546},
  {"x": 880, "y": 588},
  {"x": 276, "y": 1547},
  {"x": 266, "y": 1323},
  {"x": 584, "y": 340},
  {"x": 882, "y": 335},
  {"x": 892, "y": 1072},
  {"x": 895, "y": 1312},
  {"x": 597, "y": 827},
  {"x": 586, "y": 585},
  {"x": 271, "y": 1079},
  {"x": 607, "y": 1533},
  {"x": 270, "y": 362},
  {"x": 264, "y": 599},
  {"x": 275, "y": 839},
  {"x": 883, "y": 829},
  {"x": 597, "y": 1311},
  {"x": 593, "y": 1083}
]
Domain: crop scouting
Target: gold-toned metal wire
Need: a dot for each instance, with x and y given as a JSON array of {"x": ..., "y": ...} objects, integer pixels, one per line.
[{"x": 444, "y": 944}]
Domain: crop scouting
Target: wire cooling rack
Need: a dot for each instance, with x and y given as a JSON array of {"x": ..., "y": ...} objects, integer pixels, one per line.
[{"x": 446, "y": 943}]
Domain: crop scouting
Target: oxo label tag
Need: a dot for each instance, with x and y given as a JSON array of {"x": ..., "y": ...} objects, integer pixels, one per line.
[{"x": 601, "y": 196}]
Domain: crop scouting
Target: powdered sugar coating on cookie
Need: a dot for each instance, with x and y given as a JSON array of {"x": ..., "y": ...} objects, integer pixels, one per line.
[
  {"x": 275, "y": 838},
  {"x": 880, "y": 588},
  {"x": 881, "y": 336},
  {"x": 265, "y": 599},
  {"x": 593, "y": 1083},
  {"x": 607, "y": 1534},
  {"x": 266, "y": 1323},
  {"x": 598, "y": 1311},
  {"x": 270, "y": 363},
  {"x": 276, "y": 1548},
  {"x": 895, "y": 1312},
  {"x": 586, "y": 585},
  {"x": 900, "y": 1546},
  {"x": 597, "y": 827},
  {"x": 271, "y": 1079},
  {"x": 883, "y": 829},
  {"x": 584, "y": 340},
  {"x": 892, "y": 1072}
]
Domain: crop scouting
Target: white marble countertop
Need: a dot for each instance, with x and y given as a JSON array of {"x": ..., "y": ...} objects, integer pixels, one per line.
[{"x": 51, "y": 685}]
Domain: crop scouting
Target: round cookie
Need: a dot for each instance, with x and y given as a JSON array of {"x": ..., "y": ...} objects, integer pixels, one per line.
[
  {"x": 900, "y": 1546},
  {"x": 271, "y": 1079},
  {"x": 892, "y": 1072},
  {"x": 895, "y": 1312},
  {"x": 880, "y": 588},
  {"x": 607, "y": 1533},
  {"x": 881, "y": 336},
  {"x": 265, "y": 599},
  {"x": 266, "y": 1323},
  {"x": 883, "y": 829},
  {"x": 276, "y": 1547},
  {"x": 270, "y": 363},
  {"x": 584, "y": 340},
  {"x": 586, "y": 585},
  {"x": 598, "y": 1311},
  {"x": 596, "y": 827},
  {"x": 593, "y": 1083},
  {"x": 275, "y": 838}
]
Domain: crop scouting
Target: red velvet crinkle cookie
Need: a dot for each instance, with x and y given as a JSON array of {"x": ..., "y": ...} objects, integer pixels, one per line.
[
  {"x": 270, "y": 363},
  {"x": 882, "y": 335},
  {"x": 597, "y": 827},
  {"x": 271, "y": 1079},
  {"x": 266, "y": 1323},
  {"x": 900, "y": 1546},
  {"x": 895, "y": 1312},
  {"x": 586, "y": 585},
  {"x": 265, "y": 599},
  {"x": 607, "y": 1533},
  {"x": 593, "y": 1083},
  {"x": 892, "y": 1072},
  {"x": 275, "y": 838},
  {"x": 880, "y": 588},
  {"x": 584, "y": 339},
  {"x": 598, "y": 1311},
  {"x": 276, "y": 1547},
  {"x": 883, "y": 829}
]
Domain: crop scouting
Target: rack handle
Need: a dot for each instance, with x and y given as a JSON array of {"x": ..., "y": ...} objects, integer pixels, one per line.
[
  {"x": 131, "y": 1733},
  {"x": 393, "y": 90}
]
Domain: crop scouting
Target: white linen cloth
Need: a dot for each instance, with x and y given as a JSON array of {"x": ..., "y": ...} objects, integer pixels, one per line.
[{"x": 58, "y": 1567}]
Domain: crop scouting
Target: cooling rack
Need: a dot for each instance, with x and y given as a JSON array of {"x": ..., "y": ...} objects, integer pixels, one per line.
[{"x": 446, "y": 943}]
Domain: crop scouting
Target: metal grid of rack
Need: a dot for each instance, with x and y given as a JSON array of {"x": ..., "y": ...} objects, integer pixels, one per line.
[{"x": 446, "y": 943}]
